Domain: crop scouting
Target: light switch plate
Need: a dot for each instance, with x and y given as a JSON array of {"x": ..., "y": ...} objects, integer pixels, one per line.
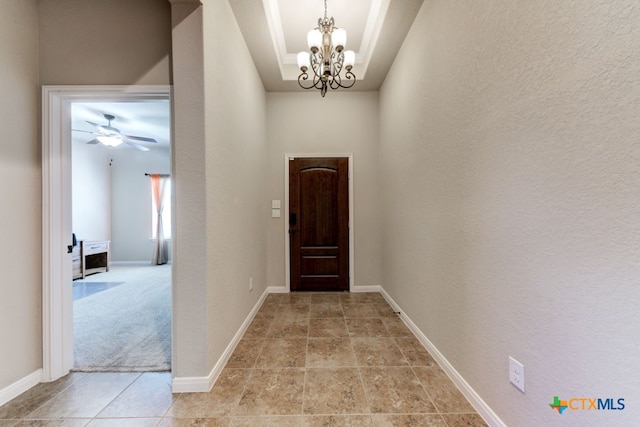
[
  {"x": 275, "y": 204},
  {"x": 275, "y": 213}
]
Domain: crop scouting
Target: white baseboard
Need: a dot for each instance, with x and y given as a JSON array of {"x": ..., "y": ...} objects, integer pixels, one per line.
[
  {"x": 204, "y": 384},
  {"x": 17, "y": 388},
  {"x": 371, "y": 288},
  {"x": 474, "y": 398},
  {"x": 147, "y": 262},
  {"x": 277, "y": 290}
]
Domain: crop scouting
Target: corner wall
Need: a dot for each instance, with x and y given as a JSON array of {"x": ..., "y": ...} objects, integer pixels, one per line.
[
  {"x": 510, "y": 200},
  {"x": 235, "y": 126},
  {"x": 20, "y": 187},
  {"x": 341, "y": 122}
]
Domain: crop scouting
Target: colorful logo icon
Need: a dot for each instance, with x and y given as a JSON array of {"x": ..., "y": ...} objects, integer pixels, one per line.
[{"x": 558, "y": 405}]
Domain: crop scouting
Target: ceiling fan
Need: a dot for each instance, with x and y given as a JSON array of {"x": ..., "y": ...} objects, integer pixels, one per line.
[{"x": 112, "y": 137}]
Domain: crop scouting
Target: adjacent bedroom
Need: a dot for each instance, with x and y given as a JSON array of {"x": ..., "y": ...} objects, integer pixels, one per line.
[{"x": 121, "y": 207}]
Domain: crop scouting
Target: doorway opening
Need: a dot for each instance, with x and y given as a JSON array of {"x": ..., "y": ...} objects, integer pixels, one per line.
[
  {"x": 99, "y": 228},
  {"x": 121, "y": 297}
]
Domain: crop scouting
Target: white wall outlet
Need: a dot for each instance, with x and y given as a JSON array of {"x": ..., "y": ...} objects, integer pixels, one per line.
[
  {"x": 516, "y": 373},
  {"x": 250, "y": 283}
]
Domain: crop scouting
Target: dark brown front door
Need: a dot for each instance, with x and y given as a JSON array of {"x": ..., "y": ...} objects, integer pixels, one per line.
[{"x": 319, "y": 224}]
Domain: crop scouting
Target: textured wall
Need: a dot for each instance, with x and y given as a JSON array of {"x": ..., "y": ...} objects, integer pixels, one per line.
[
  {"x": 353, "y": 129},
  {"x": 510, "y": 144},
  {"x": 118, "y": 42},
  {"x": 20, "y": 189},
  {"x": 235, "y": 124},
  {"x": 131, "y": 202}
]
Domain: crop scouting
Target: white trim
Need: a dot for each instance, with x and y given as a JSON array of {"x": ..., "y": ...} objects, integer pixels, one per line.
[
  {"x": 277, "y": 289},
  {"x": 17, "y": 388},
  {"x": 369, "y": 288},
  {"x": 57, "y": 303},
  {"x": 204, "y": 384},
  {"x": 287, "y": 249},
  {"x": 490, "y": 417}
]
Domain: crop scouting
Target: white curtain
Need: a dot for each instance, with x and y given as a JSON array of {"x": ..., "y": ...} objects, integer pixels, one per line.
[{"x": 161, "y": 250}]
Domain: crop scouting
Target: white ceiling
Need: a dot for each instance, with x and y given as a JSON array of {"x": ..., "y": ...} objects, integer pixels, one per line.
[
  {"x": 149, "y": 119},
  {"x": 276, "y": 30}
]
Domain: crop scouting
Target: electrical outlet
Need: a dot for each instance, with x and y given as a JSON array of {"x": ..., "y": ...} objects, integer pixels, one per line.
[
  {"x": 516, "y": 373},
  {"x": 250, "y": 283}
]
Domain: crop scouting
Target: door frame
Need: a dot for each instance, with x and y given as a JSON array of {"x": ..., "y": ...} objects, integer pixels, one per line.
[
  {"x": 57, "y": 301},
  {"x": 287, "y": 245}
]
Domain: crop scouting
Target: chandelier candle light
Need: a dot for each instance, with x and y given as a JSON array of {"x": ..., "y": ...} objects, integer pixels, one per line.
[{"x": 326, "y": 58}]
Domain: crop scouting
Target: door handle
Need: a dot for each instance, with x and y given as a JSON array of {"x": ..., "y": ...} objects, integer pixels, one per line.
[
  {"x": 291, "y": 231},
  {"x": 69, "y": 249}
]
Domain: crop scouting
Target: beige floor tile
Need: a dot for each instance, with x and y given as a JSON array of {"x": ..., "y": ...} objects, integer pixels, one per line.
[
  {"x": 86, "y": 397},
  {"x": 396, "y": 327},
  {"x": 276, "y": 421},
  {"x": 330, "y": 352},
  {"x": 328, "y": 328},
  {"x": 409, "y": 420},
  {"x": 366, "y": 328},
  {"x": 338, "y": 421},
  {"x": 378, "y": 352},
  {"x": 395, "y": 390},
  {"x": 442, "y": 390},
  {"x": 296, "y": 298},
  {"x": 383, "y": 309},
  {"x": 324, "y": 310},
  {"x": 358, "y": 310},
  {"x": 334, "y": 391},
  {"x": 377, "y": 298},
  {"x": 293, "y": 311},
  {"x": 32, "y": 399},
  {"x": 193, "y": 422},
  {"x": 355, "y": 297},
  {"x": 272, "y": 392},
  {"x": 283, "y": 353},
  {"x": 414, "y": 352},
  {"x": 75, "y": 422},
  {"x": 258, "y": 328},
  {"x": 149, "y": 396},
  {"x": 325, "y": 297},
  {"x": 245, "y": 353},
  {"x": 220, "y": 401},
  {"x": 464, "y": 420},
  {"x": 124, "y": 422},
  {"x": 289, "y": 328}
]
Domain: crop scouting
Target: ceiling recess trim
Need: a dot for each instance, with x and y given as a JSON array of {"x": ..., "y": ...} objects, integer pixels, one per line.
[{"x": 287, "y": 61}]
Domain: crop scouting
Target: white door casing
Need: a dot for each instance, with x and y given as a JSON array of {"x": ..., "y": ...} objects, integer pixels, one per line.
[{"x": 57, "y": 300}]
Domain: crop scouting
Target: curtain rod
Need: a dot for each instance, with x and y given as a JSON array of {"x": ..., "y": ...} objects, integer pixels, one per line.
[{"x": 160, "y": 174}]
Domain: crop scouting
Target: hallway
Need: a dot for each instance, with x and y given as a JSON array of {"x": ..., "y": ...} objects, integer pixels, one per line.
[{"x": 308, "y": 359}]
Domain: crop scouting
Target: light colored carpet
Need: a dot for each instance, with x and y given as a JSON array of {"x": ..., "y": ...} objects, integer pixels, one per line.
[{"x": 128, "y": 327}]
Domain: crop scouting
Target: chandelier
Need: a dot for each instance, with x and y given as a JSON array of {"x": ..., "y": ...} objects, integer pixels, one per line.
[{"x": 321, "y": 67}]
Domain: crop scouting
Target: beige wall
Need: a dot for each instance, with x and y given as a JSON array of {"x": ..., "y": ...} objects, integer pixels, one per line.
[
  {"x": 118, "y": 42},
  {"x": 20, "y": 187},
  {"x": 235, "y": 125},
  {"x": 219, "y": 166},
  {"x": 295, "y": 126},
  {"x": 509, "y": 143}
]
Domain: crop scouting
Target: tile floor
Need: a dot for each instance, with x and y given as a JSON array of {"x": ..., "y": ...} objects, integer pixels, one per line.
[{"x": 320, "y": 359}]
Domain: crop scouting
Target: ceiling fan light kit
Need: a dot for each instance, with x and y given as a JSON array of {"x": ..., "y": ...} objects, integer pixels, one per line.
[
  {"x": 112, "y": 137},
  {"x": 326, "y": 58}
]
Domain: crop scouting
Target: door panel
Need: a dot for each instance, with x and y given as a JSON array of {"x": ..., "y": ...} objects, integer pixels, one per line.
[{"x": 319, "y": 224}]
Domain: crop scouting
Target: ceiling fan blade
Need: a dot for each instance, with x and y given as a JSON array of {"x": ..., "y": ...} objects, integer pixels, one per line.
[
  {"x": 137, "y": 146},
  {"x": 85, "y": 131},
  {"x": 140, "y": 138},
  {"x": 97, "y": 126},
  {"x": 93, "y": 141}
]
